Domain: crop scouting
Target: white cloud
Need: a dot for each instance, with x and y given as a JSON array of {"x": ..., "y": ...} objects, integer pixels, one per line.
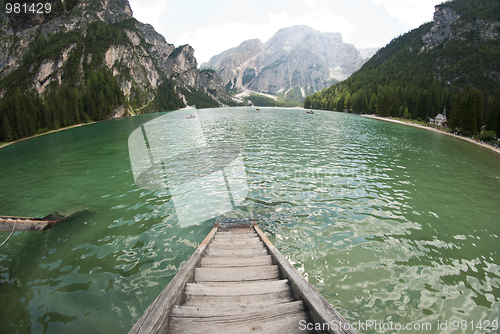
[
  {"x": 411, "y": 13},
  {"x": 212, "y": 27},
  {"x": 324, "y": 22},
  {"x": 214, "y": 39},
  {"x": 312, "y": 3},
  {"x": 149, "y": 12}
]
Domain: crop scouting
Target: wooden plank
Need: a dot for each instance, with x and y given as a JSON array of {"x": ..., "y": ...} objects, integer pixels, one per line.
[
  {"x": 19, "y": 218},
  {"x": 232, "y": 246},
  {"x": 222, "y": 235},
  {"x": 282, "y": 318},
  {"x": 23, "y": 225},
  {"x": 319, "y": 309},
  {"x": 235, "y": 289},
  {"x": 9, "y": 223},
  {"x": 246, "y": 241},
  {"x": 236, "y": 234},
  {"x": 239, "y": 301},
  {"x": 253, "y": 241},
  {"x": 236, "y": 230},
  {"x": 233, "y": 274},
  {"x": 246, "y": 230},
  {"x": 155, "y": 319},
  {"x": 238, "y": 295},
  {"x": 237, "y": 253},
  {"x": 208, "y": 261},
  {"x": 197, "y": 312}
]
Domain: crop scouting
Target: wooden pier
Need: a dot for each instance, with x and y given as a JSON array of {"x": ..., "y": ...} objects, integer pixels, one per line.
[{"x": 238, "y": 282}]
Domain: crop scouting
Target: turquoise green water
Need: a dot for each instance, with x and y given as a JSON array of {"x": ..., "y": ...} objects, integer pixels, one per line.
[{"x": 390, "y": 223}]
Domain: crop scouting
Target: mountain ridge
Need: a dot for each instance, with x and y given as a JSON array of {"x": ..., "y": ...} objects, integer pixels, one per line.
[
  {"x": 296, "y": 56},
  {"x": 98, "y": 62},
  {"x": 450, "y": 64}
]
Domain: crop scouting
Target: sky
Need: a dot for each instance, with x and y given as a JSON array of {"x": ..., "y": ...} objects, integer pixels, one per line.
[{"x": 213, "y": 26}]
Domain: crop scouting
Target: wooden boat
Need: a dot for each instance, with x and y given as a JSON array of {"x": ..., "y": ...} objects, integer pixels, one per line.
[
  {"x": 12, "y": 223},
  {"x": 310, "y": 112},
  {"x": 238, "y": 282}
]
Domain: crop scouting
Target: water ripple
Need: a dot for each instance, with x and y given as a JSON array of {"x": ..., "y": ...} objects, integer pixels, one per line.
[{"x": 387, "y": 222}]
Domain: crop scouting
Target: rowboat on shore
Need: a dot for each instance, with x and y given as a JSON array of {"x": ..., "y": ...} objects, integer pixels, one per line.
[
  {"x": 15, "y": 223},
  {"x": 236, "y": 281}
]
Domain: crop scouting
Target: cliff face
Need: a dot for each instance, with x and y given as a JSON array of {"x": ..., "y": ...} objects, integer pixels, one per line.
[
  {"x": 448, "y": 25},
  {"x": 463, "y": 43},
  {"x": 441, "y": 28},
  {"x": 451, "y": 63},
  {"x": 182, "y": 64},
  {"x": 88, "y": 34},
  {"x": 17, "y": 31},
  {"x": 294, "y": 57},
  {"x": 229, "y": 63}
]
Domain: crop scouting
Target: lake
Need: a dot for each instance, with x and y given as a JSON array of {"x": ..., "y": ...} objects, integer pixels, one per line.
[{"x": 392, "y": 224}]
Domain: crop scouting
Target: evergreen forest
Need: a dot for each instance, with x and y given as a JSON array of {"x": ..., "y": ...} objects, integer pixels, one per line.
[
  {"x": 408, "y": 79},
  {"x": 87, "y": 91}
]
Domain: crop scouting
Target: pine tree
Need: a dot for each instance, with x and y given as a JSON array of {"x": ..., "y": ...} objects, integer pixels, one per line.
[
  {"x": 47, "y": 112},
  {"x": 467, "y": 115},
  {"x": 478, "y": 103},
  {"x": 406, "y": 114},
  {"x": 453, "y": 117},
  {"x": 76, "y": 106},
  {"x": 372, "y": 106},
  {"x": 6, "y": 129}
]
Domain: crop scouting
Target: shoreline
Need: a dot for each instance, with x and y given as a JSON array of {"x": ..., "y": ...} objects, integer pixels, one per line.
[
  {"x": 44, "y": 133},
  {"x": 397, "y": 121},
  {"x": 70, "y": 127},
  {"x": 381, "y": 118}
]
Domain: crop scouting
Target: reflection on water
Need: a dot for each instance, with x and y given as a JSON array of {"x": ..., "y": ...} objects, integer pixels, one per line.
[
  {"x": 390, "y": 223},
  {"x": 205, "y": 180}
]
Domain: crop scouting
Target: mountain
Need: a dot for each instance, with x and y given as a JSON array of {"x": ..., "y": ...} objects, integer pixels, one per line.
[
  {"x": 87, "y": 60},
  {"x": 450, "y": 64},
  {"x": 295, "y": 57}
]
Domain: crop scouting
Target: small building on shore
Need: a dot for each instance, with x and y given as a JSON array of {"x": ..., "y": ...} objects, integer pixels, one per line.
[{"x": 440, "y": 120}]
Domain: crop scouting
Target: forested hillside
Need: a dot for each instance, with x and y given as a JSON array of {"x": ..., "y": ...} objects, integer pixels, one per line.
[
  {"x": 449, "y": 64},
  {"x": 87, "y": 60}
]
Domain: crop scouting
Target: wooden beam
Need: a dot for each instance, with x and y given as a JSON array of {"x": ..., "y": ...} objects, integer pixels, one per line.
[
  {"x": 155, "y": 319},
  {"x": 281, "y": 318},
  {"x": 10, "y": 223},
  {"x": 23, "y": 225},
  {"x": 321, "y": 311}
]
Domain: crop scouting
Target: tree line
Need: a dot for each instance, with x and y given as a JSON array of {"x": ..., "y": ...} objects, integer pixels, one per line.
[
  {"x": 409, "y": 79},
  {"x": 88, "y": 91},
  {"x": 26, "y": 113},
  {"x": 468, "y": 110}
]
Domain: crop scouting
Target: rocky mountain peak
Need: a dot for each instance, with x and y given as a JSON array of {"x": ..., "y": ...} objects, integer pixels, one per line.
[
  {"x": 111, "y": 11},
  {"x": 291, "y": 37},
  {"x": 77, "y": 37},
  {"x": 250, "y": 45},
  {"x": 296, "y": 56},
  {"x": 18, "y": 30},
  {"x": 182, "y": 62}
]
